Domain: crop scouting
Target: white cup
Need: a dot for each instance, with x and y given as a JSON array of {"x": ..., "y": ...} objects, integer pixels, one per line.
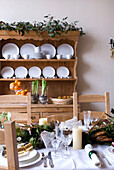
[
  {"x": 7, "y": 56},
  {"x": 48, "y": 56},
  {"x": 59, "y": 56},
  {"x": 15, "y": 56},
  {"x": 68, "y": 56},
  {"x": 26, "y": 56}
]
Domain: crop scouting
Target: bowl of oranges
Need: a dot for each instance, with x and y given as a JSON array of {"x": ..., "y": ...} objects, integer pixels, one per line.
[{"x": 16, "y": 86}]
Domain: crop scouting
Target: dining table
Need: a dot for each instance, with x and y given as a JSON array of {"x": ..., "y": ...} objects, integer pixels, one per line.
[{"x": 77, "y": 159}]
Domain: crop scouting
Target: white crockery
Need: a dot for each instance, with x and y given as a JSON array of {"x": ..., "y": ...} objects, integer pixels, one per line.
[
  {"x": 21, "y": 72},
  {"x": 7, "y": 72},
  {"x": 15, "y": 56},
  {"x": 48, "y": 56},
  {"x": 68, "y": 56},
  {"x": 26, "y": 56},
  {"x": 34, "y": 72},
  {"x": 7, "y": 56},
  {"x": 63, "y": 72},
  {"x": 48, "y": 72},
  {"x": 28, "y": 49},
  {"x": 59, "y": 56},
  {"x": 10, "y": 49},
  {"x": 48, "y": 49},
  {"x": 65, "y": 49}
]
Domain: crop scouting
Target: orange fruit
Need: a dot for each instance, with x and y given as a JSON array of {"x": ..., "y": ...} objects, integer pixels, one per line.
[
  {"x": 12, "y": 86},
  {"x": 26, "y": 90},
  {"x": 19, "y": 83},
  {"x": 22, "y": 92},
  {"x": 16, "y": 88},
  {"x": 16, "y": 81},
  {"x": 17, "y": 93}
]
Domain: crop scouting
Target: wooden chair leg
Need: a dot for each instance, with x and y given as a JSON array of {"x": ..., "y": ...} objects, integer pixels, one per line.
[{"x": 107, "y": 103}]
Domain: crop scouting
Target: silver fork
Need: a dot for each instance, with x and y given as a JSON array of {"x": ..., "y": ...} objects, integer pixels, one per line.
[{"x": 103, "y": 156}]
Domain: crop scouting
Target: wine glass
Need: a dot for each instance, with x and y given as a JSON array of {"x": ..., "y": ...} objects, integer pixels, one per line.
[
  {"x": 66, "y": 139},
  {"x": 87, "y": 115}
]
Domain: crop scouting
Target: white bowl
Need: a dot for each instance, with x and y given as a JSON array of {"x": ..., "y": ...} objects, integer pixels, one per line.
[
  {"x": 68, "y": 56},
  {"x": 59, "y": 56}
]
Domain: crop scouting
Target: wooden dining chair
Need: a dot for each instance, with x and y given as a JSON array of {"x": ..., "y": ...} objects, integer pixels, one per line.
[
  {"x": 19, "y": 107},
  {"x": 91, "y": 99},
  {"x": 58, "y": 117},
  {"x": 8, "y": 137}
]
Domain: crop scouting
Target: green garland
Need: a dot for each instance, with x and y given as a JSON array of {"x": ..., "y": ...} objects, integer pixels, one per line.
[{"x": 52, "y": 26}]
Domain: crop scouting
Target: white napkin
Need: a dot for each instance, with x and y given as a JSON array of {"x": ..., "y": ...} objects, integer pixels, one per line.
[
  {"x": 71, "y": 123},
  {"x": 94, "y": 157},
  {"x": 47, "y": 137}
]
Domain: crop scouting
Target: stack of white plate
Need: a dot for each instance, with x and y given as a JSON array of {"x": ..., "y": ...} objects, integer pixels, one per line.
[{"x": 29, "y": 158}]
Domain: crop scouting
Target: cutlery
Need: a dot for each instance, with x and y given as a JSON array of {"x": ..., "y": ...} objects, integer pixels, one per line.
[
  {"x": 44, "y": 158},
  {"x": 50, "y": 160},
  {"x": 103, "y": 156}
]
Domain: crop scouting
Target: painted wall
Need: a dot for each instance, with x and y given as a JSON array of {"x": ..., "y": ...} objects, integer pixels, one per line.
[{"x": 95, "y": 66}]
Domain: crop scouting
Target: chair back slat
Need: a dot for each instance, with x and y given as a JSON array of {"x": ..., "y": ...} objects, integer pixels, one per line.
[
  {"x": 91, "y": 98},
  {"x": 2, "y": 137},
  {"x": 12, "y": 99}
]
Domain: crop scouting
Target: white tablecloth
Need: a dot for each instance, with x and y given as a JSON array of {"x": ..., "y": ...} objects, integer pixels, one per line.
[{"x": 78, "y": 160}]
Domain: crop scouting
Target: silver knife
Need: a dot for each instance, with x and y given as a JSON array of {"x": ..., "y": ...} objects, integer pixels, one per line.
[
  {"x": 44, "y": 158},
  {"x": 50, "y": 160}
]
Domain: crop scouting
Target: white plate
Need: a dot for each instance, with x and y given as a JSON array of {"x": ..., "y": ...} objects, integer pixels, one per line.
[
  {"x": 31, "y": 161},
  {"x": 109, "y": 151},
  {"x": 10, "y": 49},
  {"x": 34, "y": 72},
  {"x": 63, "y": 72},
  {"x": 27, "y": 155},
  {"x": 27, "y": 49},
  {"x": 48, "y": 72},
  {"x": 65, "y": 49},
  {"x": 48, "y": 49},
  {"x": 7, "y": 72},
  {"x": 21, "y": 72},
  {"x": 26, "y": 163}
]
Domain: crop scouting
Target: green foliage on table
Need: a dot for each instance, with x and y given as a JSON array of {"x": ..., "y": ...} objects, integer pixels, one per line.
[
  {"x": 54, "y": 27},
  {"x": 34, "y": 135},
  {"x": 106, "y": 126}
]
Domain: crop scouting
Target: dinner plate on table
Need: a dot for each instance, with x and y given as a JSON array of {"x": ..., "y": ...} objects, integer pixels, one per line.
[
  {"x": 7, "y": 72},
  {"x": 48, "y": 72},
  {"x": 27, "y": 49},
  {"x": 48, "y": 49},
  {"x": 63, "y": 72},
  {"x": 10, "y": 49},
  {"x": 21, "y": 72},
  {"x": 34, "y": 72},
  {"x": 65, "y": 49},
  {"x": 31, "y": 161}
]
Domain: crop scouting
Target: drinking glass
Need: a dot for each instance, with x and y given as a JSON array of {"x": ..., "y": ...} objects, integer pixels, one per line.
[
  {"x": 87, "y": 120},
  {"x": 66, "y": 139}
]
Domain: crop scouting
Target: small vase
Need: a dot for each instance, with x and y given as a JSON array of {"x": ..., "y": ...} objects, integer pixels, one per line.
[
  {"x": 33, "y": 99},
  {"x": 43, "y": 99}
]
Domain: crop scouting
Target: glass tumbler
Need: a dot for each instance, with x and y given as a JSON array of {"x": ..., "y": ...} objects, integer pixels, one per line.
[{"x": 87, "y": 119}]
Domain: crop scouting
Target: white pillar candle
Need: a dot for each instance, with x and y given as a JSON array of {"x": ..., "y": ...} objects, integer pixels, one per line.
[
  {"x": 43, "y": 121},
  {"x": 77, "y": 138}
]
